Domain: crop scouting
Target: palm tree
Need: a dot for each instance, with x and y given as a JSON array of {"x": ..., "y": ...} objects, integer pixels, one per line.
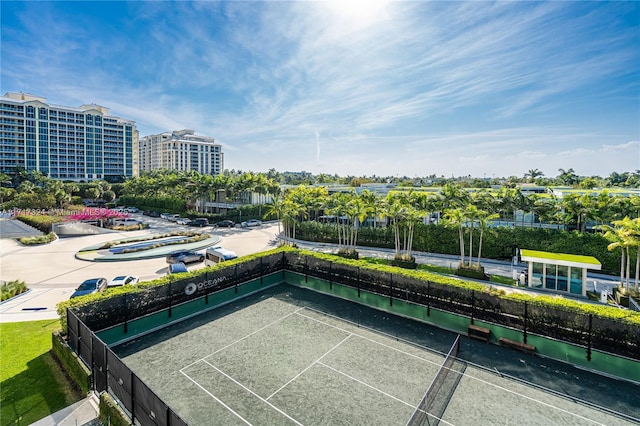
[
  {"x": 275, "y": 208},
  {"x": 471, "y": 213},
  {"x": 483, "y": 221},
  {"x": 533, "y": 174},
  {"x": 456, "y": 218},
  {"x": 396, "y": 211},
  {"x": 371, "y": 203},
  {"x": 618, "y": 235}
]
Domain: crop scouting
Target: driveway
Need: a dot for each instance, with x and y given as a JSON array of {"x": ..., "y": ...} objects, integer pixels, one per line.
[{"x": 52, "y": 272}]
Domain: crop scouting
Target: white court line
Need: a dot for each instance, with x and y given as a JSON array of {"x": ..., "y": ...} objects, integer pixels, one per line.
[
  {"x": 311, "y": 365},
  {"x": 214, "y": 397},
  {"x": 370, "y": 340},
  {"x": 530, "y": 398},
  {"x": 381, "y": 391},
  {"x": 242, "y": 338},
  {"x": 450, "y": 370},
  {"x": 253, "y": 393}
]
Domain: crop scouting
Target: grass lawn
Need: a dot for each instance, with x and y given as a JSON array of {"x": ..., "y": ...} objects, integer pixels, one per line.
[{"x": 32, "y": 384}]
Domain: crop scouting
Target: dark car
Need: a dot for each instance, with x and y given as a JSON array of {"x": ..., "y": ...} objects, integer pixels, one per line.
[
  {"x": 201, "y": 221},
  {"x": 226, "y": 224},
  {"x": 93, "y": 285},
  {"x": 184, "y": 256}
]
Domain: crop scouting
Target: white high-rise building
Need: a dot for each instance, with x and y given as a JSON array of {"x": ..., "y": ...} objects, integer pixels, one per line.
[
  {"x": 181, "y": 150},
  {"x": 67, "y": 143}
]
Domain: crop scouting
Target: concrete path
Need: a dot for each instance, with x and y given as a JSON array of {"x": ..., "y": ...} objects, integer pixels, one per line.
[{"x": 83, "y": 412}]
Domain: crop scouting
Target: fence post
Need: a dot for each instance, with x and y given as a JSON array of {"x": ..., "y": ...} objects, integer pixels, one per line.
[
  {"x": 235, "y": 276},
  {"x": 390, "y": 289},
  {"x": 261, "y": 271},
  {"x": 330, "y": 280},
  {"x": 358, "y": 281},
  {"x": 133, "y": 399},
  {"x": 428, "y": 298},
  {"x": 126, "y": 313},
  {"x": 589, "y": 338},
  {"x": 526, "y": 316},
  {"x": 170, "y": 296},
  {"x": 473, "y": 305},
  {"x": 306, "y": 269}
]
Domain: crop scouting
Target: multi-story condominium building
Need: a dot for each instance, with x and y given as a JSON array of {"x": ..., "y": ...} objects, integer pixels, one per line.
[
  {"x": 68, "y": 143},
  {"x": 181, "y": 150}
]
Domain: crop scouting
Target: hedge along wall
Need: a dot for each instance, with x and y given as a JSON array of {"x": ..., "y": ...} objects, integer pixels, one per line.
[
  {"x": 139, "y": 301},
  {"x": 566, "y": 352},
  {"x": 571, "y": 324}
]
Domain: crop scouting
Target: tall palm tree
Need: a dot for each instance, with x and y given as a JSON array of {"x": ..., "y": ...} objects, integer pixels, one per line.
[
  {"x": 483, "y": 218},
  {"x": 396, "y": 211},
  {"x": 456, "y": 218},
  {"x": 275, "y": 208},
  {"x": 471, "y": 214},
  {"x": 618, "y": 235},
  {"x": 371, "y": 203}
]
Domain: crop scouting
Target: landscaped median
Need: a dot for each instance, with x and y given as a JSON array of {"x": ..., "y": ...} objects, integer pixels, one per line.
[{"x": 147, "y": 247}]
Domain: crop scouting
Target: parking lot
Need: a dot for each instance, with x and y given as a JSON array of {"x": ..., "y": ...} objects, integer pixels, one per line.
[{"x": 52, "y": 272}]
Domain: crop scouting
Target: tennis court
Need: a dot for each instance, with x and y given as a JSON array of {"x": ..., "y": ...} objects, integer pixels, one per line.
[{"x": 280, "y": 357}]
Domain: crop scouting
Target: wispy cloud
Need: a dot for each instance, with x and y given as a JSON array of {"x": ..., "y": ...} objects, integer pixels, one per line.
[{"x": 452, "y": 87}]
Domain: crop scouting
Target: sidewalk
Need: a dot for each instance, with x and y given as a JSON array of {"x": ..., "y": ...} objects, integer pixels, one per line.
[{"x": 82, "y": 413}]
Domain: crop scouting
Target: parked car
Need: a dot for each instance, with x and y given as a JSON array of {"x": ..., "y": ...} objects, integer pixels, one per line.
[
  {"x": 201, "y": 221},
  {"x": 90, "y": 286},
  {"x": 132, "y": 210},
  {"x": 250, "y": 223},
  {"x": 183, "y": 220},
  {"x": 165, "y": 216},
  {"x": 173, "y": 217},
  {"x": 126, "y": 221},
  {"x": 226, "y": 224},
  {"x": 184, "y": 256},
  {"x": 177, "y": 268},
  {"x": 151, "y": 213},
  {"x": 123, "y": 280}
]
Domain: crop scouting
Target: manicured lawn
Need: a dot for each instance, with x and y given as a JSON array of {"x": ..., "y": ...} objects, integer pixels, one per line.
[{"x": 32, "y": 384}]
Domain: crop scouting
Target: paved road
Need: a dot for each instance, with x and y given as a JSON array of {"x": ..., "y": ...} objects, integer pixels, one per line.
[{"x": 52, "y": 272}]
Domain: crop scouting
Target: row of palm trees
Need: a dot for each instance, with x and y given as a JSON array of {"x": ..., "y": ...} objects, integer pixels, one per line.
[
  {"x": 470, "y": 212},
  {"x": 195, "y": 188}
]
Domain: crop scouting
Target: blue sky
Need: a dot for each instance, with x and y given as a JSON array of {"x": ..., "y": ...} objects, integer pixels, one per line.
[{"x": 351, "y": 87}]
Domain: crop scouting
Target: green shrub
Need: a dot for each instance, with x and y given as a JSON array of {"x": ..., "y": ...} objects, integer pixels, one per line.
[
  {"x": 42, "y": 222},
  {"x": 12, "y": 288},
  {"x": 472, "y": 272},
  {"x": 41, "y": 239},
  {"x": 75, "y": 368},
  {"x": 110, "y": 413}
]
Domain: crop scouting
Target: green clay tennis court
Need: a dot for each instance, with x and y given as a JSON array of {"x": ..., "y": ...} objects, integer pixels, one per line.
[{"x": 278, "y": 357}]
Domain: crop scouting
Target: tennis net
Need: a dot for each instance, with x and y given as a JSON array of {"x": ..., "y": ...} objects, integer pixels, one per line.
[{"x": 435, "y": 400}]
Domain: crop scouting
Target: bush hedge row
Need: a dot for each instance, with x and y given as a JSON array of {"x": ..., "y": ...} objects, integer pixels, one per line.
[
  {"x": 497, "y": 243},
  {"x": 74, "y": 367}
]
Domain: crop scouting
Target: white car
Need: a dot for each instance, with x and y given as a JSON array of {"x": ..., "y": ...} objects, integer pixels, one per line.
[
  {"x": 252, "y": 222},
  {"x": 123, "y": 280}
]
